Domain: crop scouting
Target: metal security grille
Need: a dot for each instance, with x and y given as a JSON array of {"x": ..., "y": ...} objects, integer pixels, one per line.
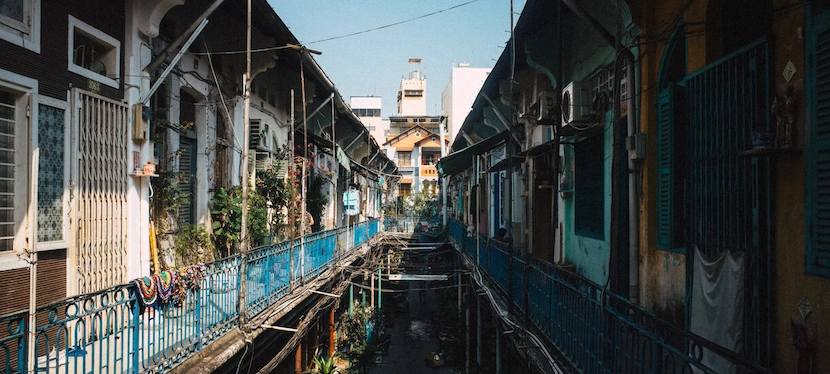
[
  {"x": 101, "y": 197},
  {"x": 728, "y": 191},
  {"x": 7, "y": 170},
  {"x": 727, "y": 102}
]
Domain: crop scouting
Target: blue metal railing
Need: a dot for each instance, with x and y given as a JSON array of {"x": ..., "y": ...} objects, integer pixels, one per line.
[
  {"x": 108, "y": 332},
  {"x": 594, "y": 330}
]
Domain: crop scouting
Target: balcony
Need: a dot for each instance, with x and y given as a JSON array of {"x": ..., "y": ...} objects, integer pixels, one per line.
[
  {"x": 429, "y": 171},
  {"x": 123, "y": 329}
]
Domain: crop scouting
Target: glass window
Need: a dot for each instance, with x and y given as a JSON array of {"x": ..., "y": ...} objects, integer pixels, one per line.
[
  {"x": 405, "y": 158},
  {"x": 51, "y": 172},
  {"x": 20, "y": 23},
  {"x": 16, "y": 13},
  {"x": 93, "y": 54}
]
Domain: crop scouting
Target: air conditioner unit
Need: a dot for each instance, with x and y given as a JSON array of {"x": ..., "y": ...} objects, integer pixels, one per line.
[
  {"x": 576, "y": 102},
  {"x": 259, "y": 132},
  {"x": 546, "y": 107}
]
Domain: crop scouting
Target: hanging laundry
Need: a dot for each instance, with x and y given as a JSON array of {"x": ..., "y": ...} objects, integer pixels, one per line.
[
  {"x": 165, "y": 282},
  {"x": 145, "y": 292},
  {"x": 718, "y": 306}
]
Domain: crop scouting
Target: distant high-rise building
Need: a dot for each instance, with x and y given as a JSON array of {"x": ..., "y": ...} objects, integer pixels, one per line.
[
  {"x": 414, "y": 139},
  {"x": 460, "y": 93},
  {"x": 368, "y": 108},
  {"x": 412, "y": 96}
]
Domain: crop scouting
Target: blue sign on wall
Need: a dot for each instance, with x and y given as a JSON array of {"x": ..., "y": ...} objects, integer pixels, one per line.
[{"x": 351, "y": 202}]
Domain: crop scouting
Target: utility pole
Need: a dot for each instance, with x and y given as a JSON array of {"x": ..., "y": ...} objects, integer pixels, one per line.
[
  {"x": 246, "y": 133},
  {"x": 443, "y": 177},
  {"x": 304, "y": 176}
]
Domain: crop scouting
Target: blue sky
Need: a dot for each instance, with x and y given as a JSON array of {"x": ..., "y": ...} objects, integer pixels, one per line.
[{"x": 373, "y": 62}]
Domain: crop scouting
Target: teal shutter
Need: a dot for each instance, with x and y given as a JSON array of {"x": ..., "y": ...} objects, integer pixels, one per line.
[
  {"x": 818, "y": 154},
  {"x": 667, "y": 209}
]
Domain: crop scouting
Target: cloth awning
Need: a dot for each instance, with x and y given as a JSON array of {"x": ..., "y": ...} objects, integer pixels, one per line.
[{"x": 461, "y": 159}]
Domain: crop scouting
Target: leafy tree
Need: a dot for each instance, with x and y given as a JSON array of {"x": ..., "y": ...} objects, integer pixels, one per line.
[
  {"x": 317, "y": 199},
  {"x": 227, "y": 221}
]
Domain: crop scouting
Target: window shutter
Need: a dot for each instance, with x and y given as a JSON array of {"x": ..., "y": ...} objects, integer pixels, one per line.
[
  {"x": 666, "y": 103},
  {"x": 818, "y": 155}
]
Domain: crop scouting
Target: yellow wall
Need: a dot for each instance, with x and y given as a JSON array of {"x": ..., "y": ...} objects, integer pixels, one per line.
[
  {"x": 662, "y": 274},
  {"x": 790, "y": 282}
]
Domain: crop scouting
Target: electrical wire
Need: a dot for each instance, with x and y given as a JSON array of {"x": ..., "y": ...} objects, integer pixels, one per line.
[
  {"x": 222, "y": 98},
  {"x": 393, "y": 24}
]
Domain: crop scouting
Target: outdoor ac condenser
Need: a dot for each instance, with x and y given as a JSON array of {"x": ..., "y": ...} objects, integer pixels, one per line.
[{"x": 576, "y": 102}]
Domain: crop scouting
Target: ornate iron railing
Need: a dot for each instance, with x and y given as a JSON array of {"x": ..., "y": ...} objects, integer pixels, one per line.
[
  {"x": 111, "y": 332},
  {"x": 595, "y": 330}
]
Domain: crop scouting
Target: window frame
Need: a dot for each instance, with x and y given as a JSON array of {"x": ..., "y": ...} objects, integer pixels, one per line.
[
  {"x": 101, "y": 37},
  {"x": 35, "y": 143},
  {"x": 24, "y": 88},
  {"x": 20, "y": 34}
]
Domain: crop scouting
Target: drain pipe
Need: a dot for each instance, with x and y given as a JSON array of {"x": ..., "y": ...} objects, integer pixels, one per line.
[
  {"x": 633, "y": 201},
  {"x": 633, "y": 208}
]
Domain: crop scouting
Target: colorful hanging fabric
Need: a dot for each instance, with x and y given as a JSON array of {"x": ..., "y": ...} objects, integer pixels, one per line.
[
  {"x": 189, "y": 281},
  {"x": 165, "y": 282},
  {"x": 146, "y": 287}
]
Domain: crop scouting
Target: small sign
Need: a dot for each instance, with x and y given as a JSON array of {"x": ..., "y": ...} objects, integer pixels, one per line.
[
  {"x": 93, "y": 86},
  {"x": 351, "y": 202}
]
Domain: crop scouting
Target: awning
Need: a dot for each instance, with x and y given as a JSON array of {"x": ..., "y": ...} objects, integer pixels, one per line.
[
  {"x": 460, "y": 160},
  {"x": 502, "y": 165},
  {"x": 537, "y": 150}
]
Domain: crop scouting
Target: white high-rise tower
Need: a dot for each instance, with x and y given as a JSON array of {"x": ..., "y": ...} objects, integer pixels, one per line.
[{"x": 412, "y": 99}]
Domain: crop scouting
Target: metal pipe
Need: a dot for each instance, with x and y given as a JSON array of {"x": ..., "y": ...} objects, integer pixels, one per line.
[
  {"x": 380, "y": 289},
  {"x": 633, "y": 206},
  {"x": 175, "y": 61},
  {"x": 31, "y": 326},
  {"x": 190, "y": 30}
]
